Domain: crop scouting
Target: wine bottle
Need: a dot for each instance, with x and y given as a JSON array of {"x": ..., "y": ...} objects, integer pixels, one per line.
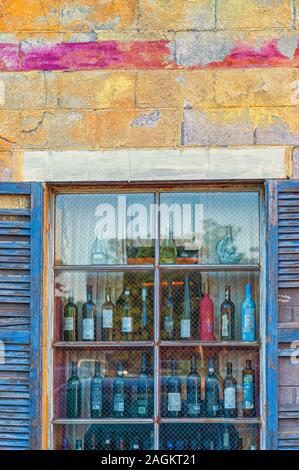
[
  {"x": 174, "y": 393},
  {"x": 193, "y": 386},
  {"x": 248, "y": 317},
  {"x": 226, "y": 440},
  {"x": 119, "y": 393},
  {"x": 73, "y": 394},
  {"x": 96, "y": 393},
  {"x": 168, "y": 252},
  {"x": 230, "y": 393},
  {"x": 70, "y": 319},
  {"x": 108, "y": 309},
  {"x": 88, "y": 317},
  {"x": 168, "y": 318},
  {"x": 206, "y": 316},
  {"x": 107, "y": 443},
  {"x": 127, "y": 319},
  {"x": 144, "y": 331},
  {"x": 186, "y": 319},
  {"x": 248, "y": 386},
  {"x": 144, "y": 391},
  {"x": 212, "y": 392},
  {"x": 227, "y": 312},
  {"x": 79, "y": 444}
]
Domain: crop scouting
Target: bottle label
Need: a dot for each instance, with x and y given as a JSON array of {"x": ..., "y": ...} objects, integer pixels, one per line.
[
  {"x": 96, "y": 398},
  {"x": 248, "y": 392},
  {"x": 229, "y": 398},
  {"x": 119, "y": 403},
  {"x": 174, "y": 402},
  {"x": 142, "y": 407},
  {"x": 193, "y": 409},
  {"x": 107, "y": 318},
  {"x": 168, "y": 324},
  {"x": 225, "y": 325},
  {"x": 69, "y": 324},
  {"x": 88, "y": 329},
  {"x": 249, "y": 320},
  {"x": 127, "y": 324},
  {"x": 185, "y": 328}
]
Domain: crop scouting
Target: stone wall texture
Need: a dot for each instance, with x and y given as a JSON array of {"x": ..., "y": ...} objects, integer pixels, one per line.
[{"x": 109, "y": 74}]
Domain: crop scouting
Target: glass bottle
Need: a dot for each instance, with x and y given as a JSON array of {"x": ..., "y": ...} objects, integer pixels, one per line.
[
  {"x": 119, "y": 392},
  {"x": 248, "y": 317},
  {"x": 88, "y": 317},
  {"x": 73, "y": 394},
  {"x": 212, "y": 392},
  {"x": 226, "y": 250},
  {"x": 168, "y": 317},
  {"x": 206, "y": 316},
  {"x": 127, "y": 319},
  {"x": 227, "y": 312},
  {"x": 100, "y": 250},
  {"x": 168, "y": 251},
  {"x": 108, "y": 310},
  {"x": 185, "y": 331},
  {"x": 96, "y": 393},
  {"x": 193, "y": 386},
  {"x": 144, "y": 331},
  {"x": 107, "y": 443},
  {"x": 230, "y": 393},
  {"x": 70, "y": 319},
  {"x": 248, "y": 387},
  {"x": 174, "y": 393}
]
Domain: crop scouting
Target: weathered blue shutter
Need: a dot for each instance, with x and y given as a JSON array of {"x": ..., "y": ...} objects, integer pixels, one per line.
[
  {"x": 285, "y": 217},
  {"x": 20, "y": 315}
]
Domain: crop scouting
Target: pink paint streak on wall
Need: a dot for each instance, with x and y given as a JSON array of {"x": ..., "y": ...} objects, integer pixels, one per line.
[{"x": 130, "y": 55}]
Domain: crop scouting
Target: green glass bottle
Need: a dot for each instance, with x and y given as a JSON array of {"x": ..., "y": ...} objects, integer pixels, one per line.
[
  {"x": 88, "y": 317},
  {"x": 127, "y": 318},
  {"x": 168, "y": 251},
  {"x": 119, "y": 393},
  {"x": 144, "y": 329},
  {"x": 96, "y": 393},
  {"x": 70, "y": 319},
  {"x": 73, "y": 394}
]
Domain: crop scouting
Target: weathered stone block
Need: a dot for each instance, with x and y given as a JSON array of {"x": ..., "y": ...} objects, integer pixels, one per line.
[
  {"x": 217, "y": 127},
  {"x": 177, "y": 14},
  {"x": 29, "y": 15},
  {"x": 136, "y": 128},
  {"x": 5, "y": 166},
  {"x": 98, "y": 15},
  {"x": 96, "y": 89},
  {"x": 276, "y": 126},
  {"x": 255, "y": 87},
  {"x": 9, "y": 129},
  {"x": 232, "y": 14},
  {"x": 51, "y": 130},
  {"x": 296, "y": 170},
  {"x": 170, "y": 88}
]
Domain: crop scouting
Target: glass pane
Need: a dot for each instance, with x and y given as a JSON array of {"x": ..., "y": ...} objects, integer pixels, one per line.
[
  {"x": 210, "y": 382},
  {"x": 210, "y": 306},
  {"x": 209, "y": 228},
  {"x": 104, "y": 306},
  {"x": 104, "y": 437},
  {"x": 221, "y": 436},
  {"x": 103, "y": 383},
  {"x": 104, "y": 229}
]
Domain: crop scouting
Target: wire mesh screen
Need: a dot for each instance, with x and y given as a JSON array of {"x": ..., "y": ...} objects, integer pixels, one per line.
[
  {"x": 219, "y": 436},
  {"x": 105, "y": 437},
  {"x": 209, "y": 228},
  {"x": 104, "y": 383},
  {"x": 104, "y": 229},
  {"x": 209, "y": 382},
  {"x": 121, "y": 305}
]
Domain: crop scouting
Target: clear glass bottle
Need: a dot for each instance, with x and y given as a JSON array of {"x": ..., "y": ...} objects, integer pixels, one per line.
[
  {"x": 168, "y": 250},
  {"x": 185, "y": 330},
  {"x": 168, "y": 332},
  {"x": 127, "y": 318}
]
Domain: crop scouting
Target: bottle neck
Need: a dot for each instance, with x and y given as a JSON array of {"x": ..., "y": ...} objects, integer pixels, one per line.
[
  {"x": 193, "y": 365},
  {"x": 229, "y": 370},
  {"x": 227, "y": 293},
  {"x": 248, "y": 365},
  {"x": 187, "y": 298},
  {"x": 74, "y": 369},
  {"x": 89, "y": 294},
  {"x": 173, "y": 368},
  {"x": 108, "y": 295},
  {"x": 143, "y": 363},
  {"x": 98, "y": 368},
  {"x": 248, "y": 291},
  {"x": 120, "y": 371}
]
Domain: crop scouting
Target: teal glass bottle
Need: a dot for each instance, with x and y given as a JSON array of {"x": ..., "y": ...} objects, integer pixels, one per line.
[{"x": 248, "y": 317}]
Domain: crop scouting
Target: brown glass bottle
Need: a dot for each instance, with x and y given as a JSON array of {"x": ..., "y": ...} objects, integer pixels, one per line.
[{"x": 227, "y": 317}]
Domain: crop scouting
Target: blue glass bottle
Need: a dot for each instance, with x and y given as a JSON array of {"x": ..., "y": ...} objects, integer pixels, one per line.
[{"x": 248, "y": 317}]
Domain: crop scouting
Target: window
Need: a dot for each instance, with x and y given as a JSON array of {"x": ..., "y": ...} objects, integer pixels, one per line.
[{"x": 157, "y": 320}]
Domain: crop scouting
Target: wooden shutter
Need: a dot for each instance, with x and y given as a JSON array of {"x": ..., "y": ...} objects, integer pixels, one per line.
[
  {"x": 286, "y": 213},
  {"x": 20, "y": 315}
]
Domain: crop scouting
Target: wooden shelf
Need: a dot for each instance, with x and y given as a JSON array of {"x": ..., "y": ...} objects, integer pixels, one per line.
[
  {"x": 202, "y": 420},
  {"x": 145, "y": 344}
]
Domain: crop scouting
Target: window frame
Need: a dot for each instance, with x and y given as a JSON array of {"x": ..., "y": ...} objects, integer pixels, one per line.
[{"x": 163, "y": 187}]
